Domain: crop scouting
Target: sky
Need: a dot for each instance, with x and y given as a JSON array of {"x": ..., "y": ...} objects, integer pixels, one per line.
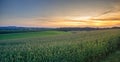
[{"x": 60, "y": 13}]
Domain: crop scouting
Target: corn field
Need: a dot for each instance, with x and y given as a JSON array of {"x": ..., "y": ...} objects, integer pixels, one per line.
[{"x": 79, "y": 46}]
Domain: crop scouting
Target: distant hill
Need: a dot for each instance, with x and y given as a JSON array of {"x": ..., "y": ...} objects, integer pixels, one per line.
[
  {"x": 22, "y": 28},
  {"x": 15, "y": 29},
  {"x": 83, "y": 29}
]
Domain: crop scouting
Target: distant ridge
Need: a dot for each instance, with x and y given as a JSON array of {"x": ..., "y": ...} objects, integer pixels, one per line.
[{"x": 47, "y": 28}]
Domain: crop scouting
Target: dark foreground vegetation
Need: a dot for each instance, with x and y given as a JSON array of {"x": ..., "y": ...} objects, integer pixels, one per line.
[
  {"x": 114, "y": 57},
  {"x": 78, "y": 46}
]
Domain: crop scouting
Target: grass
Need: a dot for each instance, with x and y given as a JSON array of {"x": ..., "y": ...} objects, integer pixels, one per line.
[
  {"x": 115, "y": 57},
  {"x": 83, "y": 46},
  {"x": 29, "y": 34}
]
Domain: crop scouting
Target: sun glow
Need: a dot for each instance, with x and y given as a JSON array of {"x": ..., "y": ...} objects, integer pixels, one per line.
[
  {"x": 80, "y": 18},
  {"x": 98, "y": 23}
]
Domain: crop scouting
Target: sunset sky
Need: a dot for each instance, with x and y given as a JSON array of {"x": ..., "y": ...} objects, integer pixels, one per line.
[{"x": 60, "y": 13}]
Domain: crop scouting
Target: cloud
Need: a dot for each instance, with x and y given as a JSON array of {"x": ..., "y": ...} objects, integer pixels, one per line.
[
  {"x": 111, "y": 14},
  {"x": 108, "y": 19}
]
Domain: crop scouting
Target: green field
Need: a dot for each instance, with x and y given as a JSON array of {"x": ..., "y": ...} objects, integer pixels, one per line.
[
  {"x": 58, "y": 46},
  {"x": 30, "y": 34}
]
